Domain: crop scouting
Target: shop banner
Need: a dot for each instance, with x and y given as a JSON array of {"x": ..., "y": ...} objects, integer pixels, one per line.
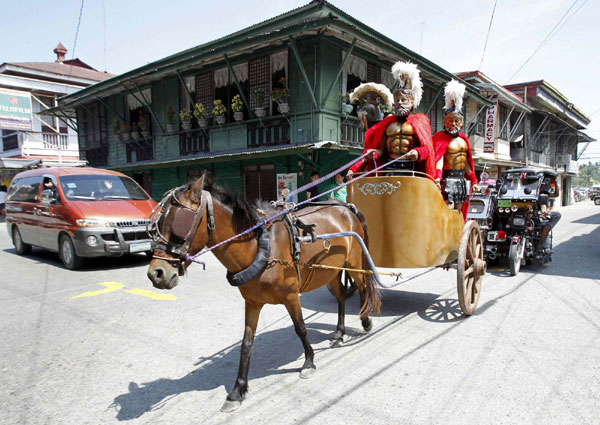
[
  {"x": 287, "y": 183},
  {"x": 15, "y": 110},
  {"x": 490, "y": 130}
]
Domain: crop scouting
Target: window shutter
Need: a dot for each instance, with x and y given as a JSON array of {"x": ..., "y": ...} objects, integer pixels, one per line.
[
  {"x": 205, "y": 93},
  {"x": 259, "y": 76}
]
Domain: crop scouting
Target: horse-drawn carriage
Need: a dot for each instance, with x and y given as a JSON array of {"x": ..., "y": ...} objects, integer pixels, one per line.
[
  {"x": 286, "y": 250},
  {"x": 413, "y": 227}
]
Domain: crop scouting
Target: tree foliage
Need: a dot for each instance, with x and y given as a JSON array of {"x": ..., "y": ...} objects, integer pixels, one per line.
[{"x": 589, "y": 174}]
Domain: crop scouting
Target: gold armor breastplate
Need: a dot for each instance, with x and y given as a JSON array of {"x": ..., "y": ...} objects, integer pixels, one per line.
[
  {"x": 456, "y": 154},
  {"x": 399, "y": 139}
]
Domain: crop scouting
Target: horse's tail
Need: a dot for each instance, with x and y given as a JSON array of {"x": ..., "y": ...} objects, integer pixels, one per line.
[{"x": 372, "y": 302}]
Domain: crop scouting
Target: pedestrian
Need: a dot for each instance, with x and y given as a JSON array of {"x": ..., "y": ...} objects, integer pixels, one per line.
[
  {"x": 2, "y": 200},
  {"x": 340, "y": 193},
  {"x": 313, "y": 191}
]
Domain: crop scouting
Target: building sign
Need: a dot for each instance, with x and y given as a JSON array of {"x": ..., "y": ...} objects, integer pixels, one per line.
[
  {"x": 490, "y": 130},
  {"x": 287, "y": 183},
  {"x": 15, "y": 110}
]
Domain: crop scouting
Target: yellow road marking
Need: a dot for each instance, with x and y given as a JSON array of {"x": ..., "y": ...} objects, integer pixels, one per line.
[
  {"x": 151, "y": 294},
  {"x": 110, "y": 287}
]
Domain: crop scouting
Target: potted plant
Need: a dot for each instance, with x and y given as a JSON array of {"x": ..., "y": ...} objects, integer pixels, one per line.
[
  {"x": 347, "y": 106},
  {"x": 144, "y": 126},
  {"x": 135, "y": 132},
  {"x": 237, "y": 106},
  {"x": 258, "y": 100},
  {"x": 219, "y": 111},
  {"x": 201, "y": 115},
  {"x": 170, "y": 120},
  {"x": 185, "y": 117},
  {"x": 281, "y": 96},
  {"x": 117, "y": 128}
]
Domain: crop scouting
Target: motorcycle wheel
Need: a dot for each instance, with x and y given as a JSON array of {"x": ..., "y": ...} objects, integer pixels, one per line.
[{"x": 514, "y": 257}]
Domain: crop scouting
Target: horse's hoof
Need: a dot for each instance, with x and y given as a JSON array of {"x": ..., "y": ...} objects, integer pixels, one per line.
[
  {"x": 230, "y": 405},
  {"x": 367, "y": 325},
  {"x": 307, "y": 373},
  {"x": 337, "y": 342}
]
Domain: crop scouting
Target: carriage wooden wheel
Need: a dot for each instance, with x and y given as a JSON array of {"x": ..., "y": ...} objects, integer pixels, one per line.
[{"x": 470, "y": 268}]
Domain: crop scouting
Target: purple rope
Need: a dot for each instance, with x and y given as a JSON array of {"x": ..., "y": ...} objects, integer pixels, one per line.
[
  {"x": 328, "y": 176},
  {"x": 282, "y": 213}
]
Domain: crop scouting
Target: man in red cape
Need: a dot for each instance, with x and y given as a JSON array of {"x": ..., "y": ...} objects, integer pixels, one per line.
[
  {"x": 453, "y": 156},
  {"x": 403, "y": 134},
  {"x": 374, "y": 140}
]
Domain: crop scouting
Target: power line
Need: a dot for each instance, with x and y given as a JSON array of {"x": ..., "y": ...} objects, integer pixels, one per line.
[
  {"x": 488, "y": 34},
  {"x": 104, "y": 25},
  {"x": 548, "y": 37},
  {"x": 77, "y": 31}
]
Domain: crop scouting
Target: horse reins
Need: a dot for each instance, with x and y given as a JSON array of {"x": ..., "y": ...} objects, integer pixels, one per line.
[{"x": 185, "y": 218}]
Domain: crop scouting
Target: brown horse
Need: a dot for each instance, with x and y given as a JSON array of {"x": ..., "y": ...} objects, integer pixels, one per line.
[{"x": 279, "y": 282}]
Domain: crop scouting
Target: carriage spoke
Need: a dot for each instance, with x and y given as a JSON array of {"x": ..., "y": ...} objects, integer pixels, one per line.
[
  {"x": 469, "y": 271},
  {"x": 469, "y": 291}
]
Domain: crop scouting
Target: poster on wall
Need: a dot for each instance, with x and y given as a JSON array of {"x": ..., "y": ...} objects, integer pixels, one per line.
[
  {"x": 15, "y": 110},
  {"x": 490, "y": 130},
  {"x": 286, "y": 184}
]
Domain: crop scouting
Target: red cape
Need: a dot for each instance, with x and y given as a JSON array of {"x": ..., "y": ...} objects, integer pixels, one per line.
[
  {"x": 441, "y": 140},
  {"x": 420, "y": 124}
]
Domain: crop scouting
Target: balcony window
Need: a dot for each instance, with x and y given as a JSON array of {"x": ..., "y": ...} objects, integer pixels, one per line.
[{"x": 10, "y": 140}]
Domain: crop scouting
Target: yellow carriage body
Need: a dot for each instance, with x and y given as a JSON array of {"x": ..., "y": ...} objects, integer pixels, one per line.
[{"x": 409, "y": 224}]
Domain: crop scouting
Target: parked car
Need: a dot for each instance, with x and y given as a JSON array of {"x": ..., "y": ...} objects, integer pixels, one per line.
[{"x": 78, "y": 212}]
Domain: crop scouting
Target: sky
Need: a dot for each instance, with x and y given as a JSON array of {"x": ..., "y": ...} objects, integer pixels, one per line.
[{"x": 118, "y": 35}]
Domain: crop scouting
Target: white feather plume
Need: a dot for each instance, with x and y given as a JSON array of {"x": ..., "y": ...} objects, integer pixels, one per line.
[
  {"x": 453, "y": 94},
  {"x": 380, "y": 89},
  {"x": 408, "y": 75}
]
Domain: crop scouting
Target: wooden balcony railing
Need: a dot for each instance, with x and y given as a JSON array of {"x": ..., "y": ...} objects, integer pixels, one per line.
[
  {"x": 269, "y": 133},
  {"x": 140, "y": 150},
  {"x": 193, "y": 142},
  {"x": 352, "y": 133}
]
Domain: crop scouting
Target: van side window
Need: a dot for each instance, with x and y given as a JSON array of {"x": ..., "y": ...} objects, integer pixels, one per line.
[
  {"x": 49, "y": 192},
  {"x": 26, "y": 189}
]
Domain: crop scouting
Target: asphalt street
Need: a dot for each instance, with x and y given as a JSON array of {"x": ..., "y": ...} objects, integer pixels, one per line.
[{"x": 100, "y": 345}]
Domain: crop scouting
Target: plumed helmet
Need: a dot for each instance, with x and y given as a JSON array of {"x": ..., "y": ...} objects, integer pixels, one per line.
[
  {"x": 453, "y": 95},
  {"x": 407, "y": 75}
]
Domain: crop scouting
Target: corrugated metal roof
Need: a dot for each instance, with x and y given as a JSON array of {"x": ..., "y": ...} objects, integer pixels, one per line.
[
  {"x": 227, "y": 155},
  {"x": 62, "y": 70}
]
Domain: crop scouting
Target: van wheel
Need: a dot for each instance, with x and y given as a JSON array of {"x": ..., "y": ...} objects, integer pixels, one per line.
[
  {"x": 21, "y": 247},
  {"x": 67, "y": 253}
]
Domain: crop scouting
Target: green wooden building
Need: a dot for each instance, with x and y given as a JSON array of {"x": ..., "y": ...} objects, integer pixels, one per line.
[{"x": 321, "y": 52}]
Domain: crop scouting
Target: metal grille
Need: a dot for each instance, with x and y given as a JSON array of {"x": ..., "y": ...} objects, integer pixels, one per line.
[
  {"x": 259, "y": 70},
  {"x": 205, "y": 92},
  {"x": 132, "y": 222},
  {"x": 373, "y": 73}
]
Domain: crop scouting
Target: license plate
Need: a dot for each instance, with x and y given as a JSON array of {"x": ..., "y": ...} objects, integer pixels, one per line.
[
  {"x": 504, "y": 203},
  {"x": 140, "y": 247}
]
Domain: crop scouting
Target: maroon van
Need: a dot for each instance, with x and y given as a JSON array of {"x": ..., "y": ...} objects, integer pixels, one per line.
[{"x": 78, "y": 212}]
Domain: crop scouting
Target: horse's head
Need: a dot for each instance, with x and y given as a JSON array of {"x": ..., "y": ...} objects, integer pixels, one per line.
[{"x": 182, "y": 225}]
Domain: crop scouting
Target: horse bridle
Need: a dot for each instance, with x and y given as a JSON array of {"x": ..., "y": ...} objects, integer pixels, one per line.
[{"x": 184, "y": 225}]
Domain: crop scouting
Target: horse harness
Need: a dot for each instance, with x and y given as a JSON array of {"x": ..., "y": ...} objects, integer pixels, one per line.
[{"x": 184, "y": 225}]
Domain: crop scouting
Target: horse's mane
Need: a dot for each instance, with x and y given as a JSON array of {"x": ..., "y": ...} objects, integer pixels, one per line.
[{"x": 245, "y": 214}]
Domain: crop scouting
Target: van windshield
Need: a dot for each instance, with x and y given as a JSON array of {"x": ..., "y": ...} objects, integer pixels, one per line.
[{"x": 91, "y": 187}]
